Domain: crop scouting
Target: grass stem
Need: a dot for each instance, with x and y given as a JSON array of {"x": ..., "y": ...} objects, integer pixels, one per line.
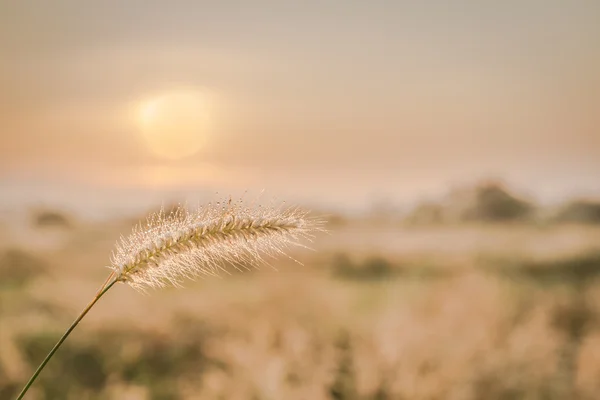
[{"x": 103, "y": 289}]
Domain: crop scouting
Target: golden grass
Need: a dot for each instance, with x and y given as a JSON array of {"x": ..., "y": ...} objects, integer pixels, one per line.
[{"x": 308, "y": 333}]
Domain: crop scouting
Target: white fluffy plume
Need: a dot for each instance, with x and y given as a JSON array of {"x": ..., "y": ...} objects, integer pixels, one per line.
[{"x": 186, "y": 244}]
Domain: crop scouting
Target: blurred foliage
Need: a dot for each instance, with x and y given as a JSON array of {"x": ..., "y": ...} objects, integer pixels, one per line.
[
  {"x": 131, "y": 356},
  {"x": 484, "y": 202},
  {"x": 580, "y": 211},
  {"x": 18, "y": 267},
  {"x": 51, "y": 218},
  {"x": 379, "y": 268},
  {"x": 343, "y": 386},
  {"x": 426, "y": 213},
  {"x": 493, "y": 202},
  {"x": 373, "y": 268},
  {"x": 84, "y": 364},
  {"x": 578, "y": 269}
]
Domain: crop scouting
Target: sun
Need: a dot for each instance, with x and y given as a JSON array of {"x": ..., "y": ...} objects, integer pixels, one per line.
[{"x": 176, "y": 124}]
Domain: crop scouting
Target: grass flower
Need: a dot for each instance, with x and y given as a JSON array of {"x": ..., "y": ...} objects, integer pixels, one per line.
[{"x": 170, "y": 247}]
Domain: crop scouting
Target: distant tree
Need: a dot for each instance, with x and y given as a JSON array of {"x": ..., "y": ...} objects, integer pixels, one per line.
[
  {"x": 580, "y": 211},
  {"x": 487, "y": 202},
  {"x": 493, "y": 202},
  {"x": 45, "y": 218}
]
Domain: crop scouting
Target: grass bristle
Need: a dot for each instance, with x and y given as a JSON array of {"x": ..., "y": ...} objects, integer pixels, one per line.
[{"x": 186, "y": 244}]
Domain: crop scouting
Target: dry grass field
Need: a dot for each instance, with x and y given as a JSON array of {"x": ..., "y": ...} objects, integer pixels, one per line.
[{"x": 378, "y": 311}]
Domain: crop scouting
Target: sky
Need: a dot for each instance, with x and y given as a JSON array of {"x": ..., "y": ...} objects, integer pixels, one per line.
[{"x": 334, "y": 102}]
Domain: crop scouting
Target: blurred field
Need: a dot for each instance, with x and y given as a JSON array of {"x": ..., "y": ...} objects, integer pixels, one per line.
[
  {"x": 454, "y": 149},
  {"x": 503, "y": 310}
]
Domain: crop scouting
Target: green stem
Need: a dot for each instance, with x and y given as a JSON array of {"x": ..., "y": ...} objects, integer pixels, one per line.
[{"x": 107, "y": 285}]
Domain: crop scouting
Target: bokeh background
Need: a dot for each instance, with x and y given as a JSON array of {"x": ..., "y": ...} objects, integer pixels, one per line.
[{"x": 454, "y": 149}]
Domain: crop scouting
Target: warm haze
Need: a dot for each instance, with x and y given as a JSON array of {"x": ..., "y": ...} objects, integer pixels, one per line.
[{"x": 340, "y": 103}]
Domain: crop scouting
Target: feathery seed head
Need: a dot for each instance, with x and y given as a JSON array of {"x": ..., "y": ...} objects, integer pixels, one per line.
[{"x": 186, "y": 244}]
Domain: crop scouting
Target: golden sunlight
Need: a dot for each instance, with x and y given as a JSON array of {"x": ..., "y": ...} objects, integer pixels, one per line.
[{"x": 176, "y": 124}]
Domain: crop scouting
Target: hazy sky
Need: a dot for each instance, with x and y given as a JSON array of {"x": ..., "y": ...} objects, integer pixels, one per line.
[{"x": 343, "y": 101}]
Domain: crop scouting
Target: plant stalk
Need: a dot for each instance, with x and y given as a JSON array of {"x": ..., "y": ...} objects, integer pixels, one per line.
[{"x": 103, "y": 289}]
